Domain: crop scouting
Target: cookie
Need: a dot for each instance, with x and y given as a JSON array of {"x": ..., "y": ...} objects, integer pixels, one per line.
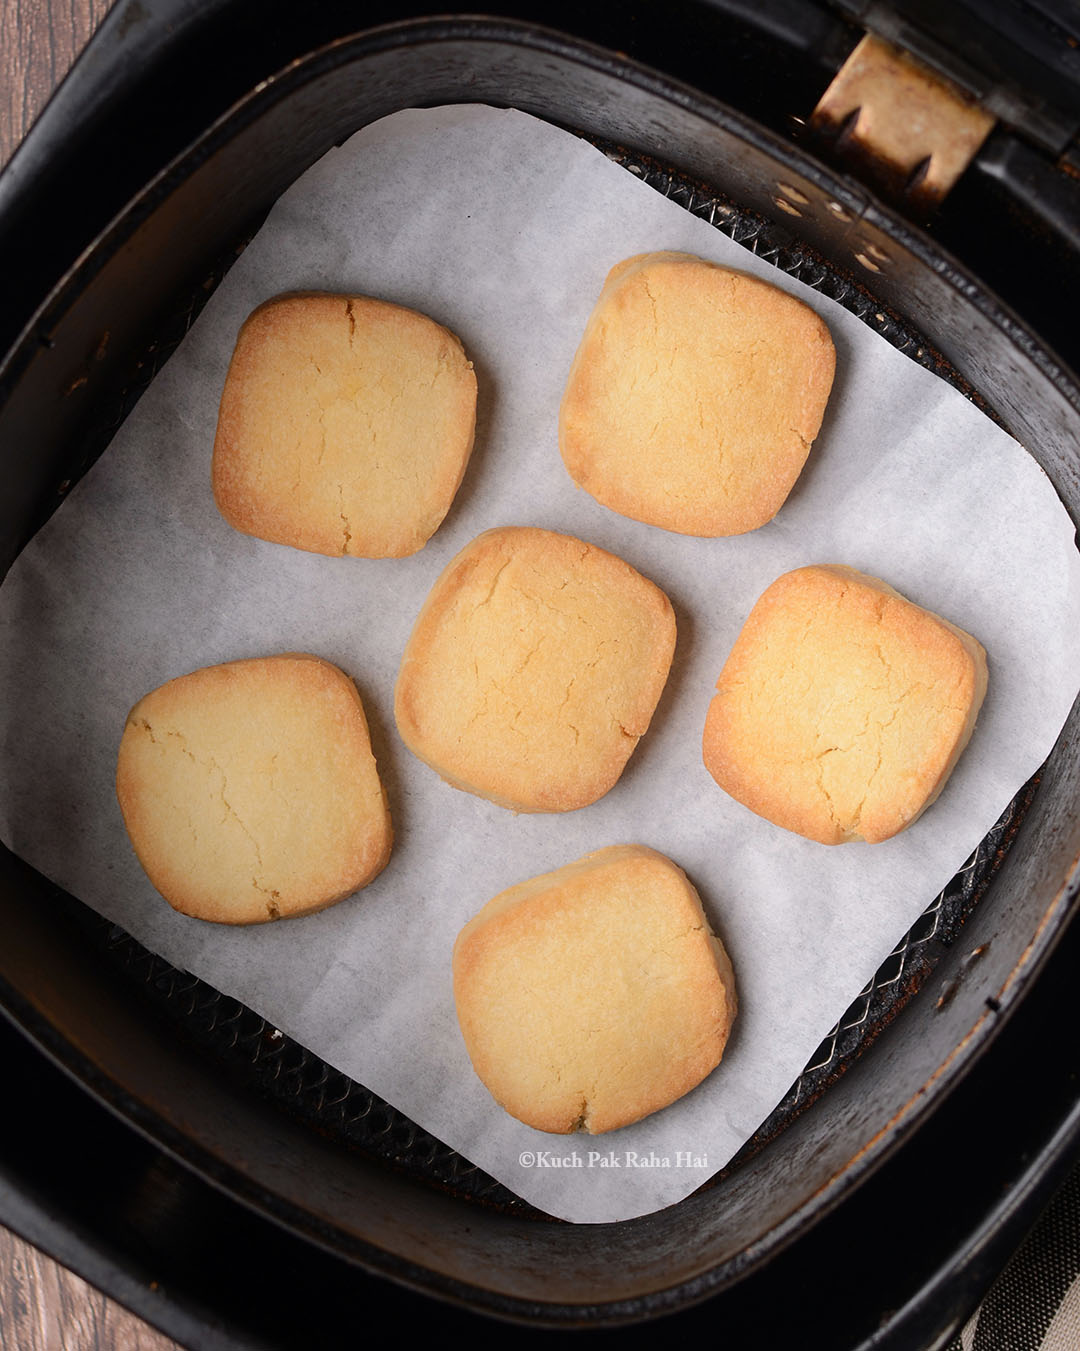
[
  {"x": 533, "y": 669},
  {"x": 249, "y": 790},
  {"x": 594, "y": 995},
  {"x": 345, "y": 426},
  {"x": 694, "y": 396},
  {"x": 843, "y": 707}
]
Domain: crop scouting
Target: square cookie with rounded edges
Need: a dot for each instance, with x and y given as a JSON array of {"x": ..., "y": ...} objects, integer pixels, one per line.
[
  {"x": 594, "y": 995},
  {"x": 345, "y": 426},
  {"x": 843, "y": 707},
  {"x": 250, "y": 792},
  {"x": 533, "y": 669},
  {"x": 694, "y": 396}
]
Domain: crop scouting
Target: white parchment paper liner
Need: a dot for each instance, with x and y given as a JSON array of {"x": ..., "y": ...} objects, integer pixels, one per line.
[{"x": 503, "y": 229}]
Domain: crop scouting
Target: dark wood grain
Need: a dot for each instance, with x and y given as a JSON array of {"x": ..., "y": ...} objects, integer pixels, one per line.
[
  {"x": 44, "y": 1307},
  {"x": 39, "y": 39}
]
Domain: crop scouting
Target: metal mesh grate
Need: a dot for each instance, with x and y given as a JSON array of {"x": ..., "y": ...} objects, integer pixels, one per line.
[{"x": 298, "y": 1082}]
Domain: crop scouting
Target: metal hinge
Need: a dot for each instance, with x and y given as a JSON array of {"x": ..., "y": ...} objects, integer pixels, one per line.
[{"x": 902, "y": 125}]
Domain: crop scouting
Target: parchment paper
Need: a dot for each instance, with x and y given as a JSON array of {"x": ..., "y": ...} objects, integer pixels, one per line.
[{"x": 503, "y": 229}]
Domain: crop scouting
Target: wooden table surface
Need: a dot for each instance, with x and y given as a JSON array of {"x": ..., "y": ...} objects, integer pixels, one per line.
[
  {"x": 43, "y": 1307},
  {"x": 39, "y": 39}
]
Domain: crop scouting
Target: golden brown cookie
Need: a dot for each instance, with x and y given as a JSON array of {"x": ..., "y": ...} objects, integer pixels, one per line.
[
  {"x": 694, "y": 396},
  {"x": 843, "y": 707},
  {"x": 533, "y": 669},
  {"x": 345, "y": 426},
  {"x": 250, "y": 792},
  {"x": 593, "y": 995}
]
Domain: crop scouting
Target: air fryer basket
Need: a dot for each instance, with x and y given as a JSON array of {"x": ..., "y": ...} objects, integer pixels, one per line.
[{"x": 225, "y": 1093}]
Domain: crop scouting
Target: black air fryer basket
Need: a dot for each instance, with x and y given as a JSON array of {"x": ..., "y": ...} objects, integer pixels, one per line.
[{"x": 201, "y": 1153}]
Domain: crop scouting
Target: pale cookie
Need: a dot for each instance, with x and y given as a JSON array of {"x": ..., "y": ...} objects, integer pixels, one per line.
[
  {"x": 345, "y": 426},
  {"x": 694, "y": 396},
  {"x": 250, "y": 792},
  {"x": 843, "y": 707},
  {"x": 533, "y": 669},
  {"x": 593, "y": 995}
]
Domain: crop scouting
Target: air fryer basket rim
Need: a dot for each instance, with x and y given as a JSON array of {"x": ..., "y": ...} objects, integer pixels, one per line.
[
  {"x": 255, "y": 106},
  {"x": 929, "y": 1280},
  {"x": 797, "y": 162}
]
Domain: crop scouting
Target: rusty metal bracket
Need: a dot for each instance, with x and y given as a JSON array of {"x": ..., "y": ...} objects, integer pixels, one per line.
[{"x": 901, "y": 125}]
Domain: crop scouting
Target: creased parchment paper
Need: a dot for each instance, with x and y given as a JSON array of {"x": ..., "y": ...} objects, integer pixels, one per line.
[{"x": 503, "y": 229}]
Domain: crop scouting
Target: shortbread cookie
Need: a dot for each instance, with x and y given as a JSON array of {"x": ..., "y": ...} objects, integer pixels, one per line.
[
  {"x": 345, "y": 426},
  {"x": 593, "y": 995},
  {"x": 533, "y": 669},
  {"x": 250, "y": 792},
  {"x": 694, "y": 396},
  {"x": 843, "y": 707}
]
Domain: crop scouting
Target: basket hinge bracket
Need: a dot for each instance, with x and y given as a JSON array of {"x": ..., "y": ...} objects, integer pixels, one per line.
[{"x": 906, "y": 129}]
